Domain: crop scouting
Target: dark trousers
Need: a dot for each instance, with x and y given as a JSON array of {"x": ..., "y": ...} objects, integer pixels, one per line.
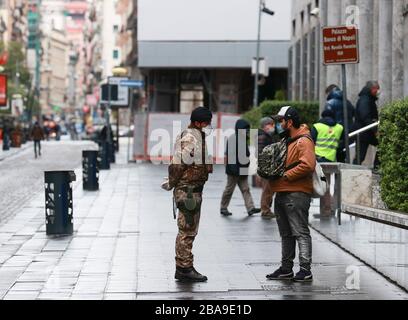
[
  {"x": 37, "y": 144},
  {"x": 363, "y": 152},
  {"x": 292, "y": 214}
]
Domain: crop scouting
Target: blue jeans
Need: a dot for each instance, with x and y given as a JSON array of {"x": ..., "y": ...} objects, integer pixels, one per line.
[{"x": 292, "y": 214}]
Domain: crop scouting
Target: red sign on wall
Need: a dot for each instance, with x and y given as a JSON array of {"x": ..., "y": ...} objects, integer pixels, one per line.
[
  {"x": 340, "y": 45},
  {"x": 3, "y": 90}
]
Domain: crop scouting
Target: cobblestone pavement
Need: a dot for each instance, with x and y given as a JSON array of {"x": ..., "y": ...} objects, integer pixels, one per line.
[
  {"x": 13, "y": 151},
  {"x": 123, "y": 248},
  {"x": 22, "y": 176}
]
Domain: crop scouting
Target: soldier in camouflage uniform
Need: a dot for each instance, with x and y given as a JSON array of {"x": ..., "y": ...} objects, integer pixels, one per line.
[{"x": 188, "y": 172}]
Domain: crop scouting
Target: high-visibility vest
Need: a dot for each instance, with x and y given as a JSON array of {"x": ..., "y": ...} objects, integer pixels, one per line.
[{"x": 328, "y": 139}]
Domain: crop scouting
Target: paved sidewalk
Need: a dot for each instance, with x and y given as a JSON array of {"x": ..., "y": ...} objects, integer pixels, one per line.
[
  {"x": 382, "y": 246},
  {"x": 123, "y": 248}
]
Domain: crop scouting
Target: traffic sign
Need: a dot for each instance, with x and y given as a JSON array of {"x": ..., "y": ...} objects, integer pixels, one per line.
[
  {"x": 119, "y": 94},
  {"x": 340, "y": 45},
  {"x": 132, "y": 83}
]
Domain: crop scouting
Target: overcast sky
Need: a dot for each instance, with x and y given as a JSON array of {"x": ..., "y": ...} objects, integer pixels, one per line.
[{"x": 211, "y": 20}]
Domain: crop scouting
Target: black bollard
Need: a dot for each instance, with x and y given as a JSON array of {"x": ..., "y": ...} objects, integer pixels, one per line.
[
  {"x": 103, "y": 156},
  {"x": 90, "y": 170},
  {"x": 59, "y": 202},
  {"x": 112, "y": 158}
]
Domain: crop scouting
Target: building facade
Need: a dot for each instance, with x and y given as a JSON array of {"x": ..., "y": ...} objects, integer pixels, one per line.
[
  {"x": 34, "y": 44},
  {"x": 383, "y": 38},
  {"x": 127, "y": 46},
  {"x": 54, "y": 72},
  {"x": 13, "y": 20},
  {"x": 181, "y": 75},
  {"x": 75, "y": 12},
  {"x": 111, "y": 25},
  {"x": 126, "y": 38}
]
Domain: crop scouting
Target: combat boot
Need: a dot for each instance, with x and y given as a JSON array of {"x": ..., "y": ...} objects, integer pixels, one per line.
[{"x": 189, "y": 275}]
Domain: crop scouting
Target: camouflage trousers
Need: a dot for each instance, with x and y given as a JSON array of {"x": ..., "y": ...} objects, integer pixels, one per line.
[{"x": 188, "y": 224}]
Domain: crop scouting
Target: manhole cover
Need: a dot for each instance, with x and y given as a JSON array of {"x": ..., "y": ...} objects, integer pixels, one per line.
[{"x": 268, "y": 287}]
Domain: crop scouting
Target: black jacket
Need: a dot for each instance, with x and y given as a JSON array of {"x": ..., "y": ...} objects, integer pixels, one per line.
[
  {"x": 237, "y": 151},
  {"x": 103, "y": 134},
  {"x": 266, "y": 139},
  {"x": 335, "y": 103},
  {"x": 366, "y": 114}
]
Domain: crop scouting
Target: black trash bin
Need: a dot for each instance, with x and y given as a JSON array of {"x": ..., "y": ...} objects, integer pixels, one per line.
[
  {"x": 58, "y": 202},
  {"x": 90, "y": 170},
  {"x": 103, "y": 156}
]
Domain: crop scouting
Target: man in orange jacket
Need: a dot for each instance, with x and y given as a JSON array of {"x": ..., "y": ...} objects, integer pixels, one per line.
[{"x": 293, "y": 197}]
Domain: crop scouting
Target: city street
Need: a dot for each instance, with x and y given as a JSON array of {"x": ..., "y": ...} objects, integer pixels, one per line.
[
  {"x": 22, "y": 175},
  {"x": 123, "y": 241}
]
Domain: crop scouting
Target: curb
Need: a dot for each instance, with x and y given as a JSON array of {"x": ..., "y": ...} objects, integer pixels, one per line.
[{"x": 13, "y": 151}]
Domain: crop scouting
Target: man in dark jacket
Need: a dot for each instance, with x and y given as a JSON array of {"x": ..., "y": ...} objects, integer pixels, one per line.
[
  {"x": 328, "y": 137},
  {"x": 37, "y": 134},
  {"x": 266, "y": 136},
  {"x": 366, "y": 114},
  {"x": 237, "y": 153},
  {"x": 335, "y": 103}
]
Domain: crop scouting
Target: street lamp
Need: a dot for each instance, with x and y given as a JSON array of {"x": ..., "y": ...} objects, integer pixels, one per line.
[{"x": 262, "y": 8}]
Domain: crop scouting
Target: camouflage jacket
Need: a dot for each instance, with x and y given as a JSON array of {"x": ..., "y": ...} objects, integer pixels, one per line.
[{"x": 190, "y": 164}]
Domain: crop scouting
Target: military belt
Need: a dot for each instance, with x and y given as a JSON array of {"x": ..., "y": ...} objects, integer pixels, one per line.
[{"x": 194, "y": 190}]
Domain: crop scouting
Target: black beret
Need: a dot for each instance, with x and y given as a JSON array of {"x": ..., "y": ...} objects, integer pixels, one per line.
[{"x": 201, "y": 114}]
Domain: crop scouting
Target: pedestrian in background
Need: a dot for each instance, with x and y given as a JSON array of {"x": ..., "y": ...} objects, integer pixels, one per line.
[
  {"x": 237, "y": 168},
  {"x": 328, "y": 137},
  {"x": 266, "y": 136},
  {"x": 103, "y": 134},
  {"x": 335, "y": 103},
  {"x": 188, "y": 173},
  {"x": 6, "y": 135},
  {"x": 37, "y": 134},
  {"x": 366, "y": 114},
  {"x": 293, "y": 197}
]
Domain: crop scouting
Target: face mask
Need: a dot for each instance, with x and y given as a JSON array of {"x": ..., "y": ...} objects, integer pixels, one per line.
[
  {"x": 208, "y": 130},
  {"x": 281, "y": 131},
  {"x": 271, "y": 131}
]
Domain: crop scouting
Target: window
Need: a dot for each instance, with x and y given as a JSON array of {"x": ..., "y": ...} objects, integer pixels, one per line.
[
  {"x": 191, "y": 97},
  {"x": 115, "y": 28},
  {"x": 294, "y": 27},
  {"x": 115, "y": 54}
]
